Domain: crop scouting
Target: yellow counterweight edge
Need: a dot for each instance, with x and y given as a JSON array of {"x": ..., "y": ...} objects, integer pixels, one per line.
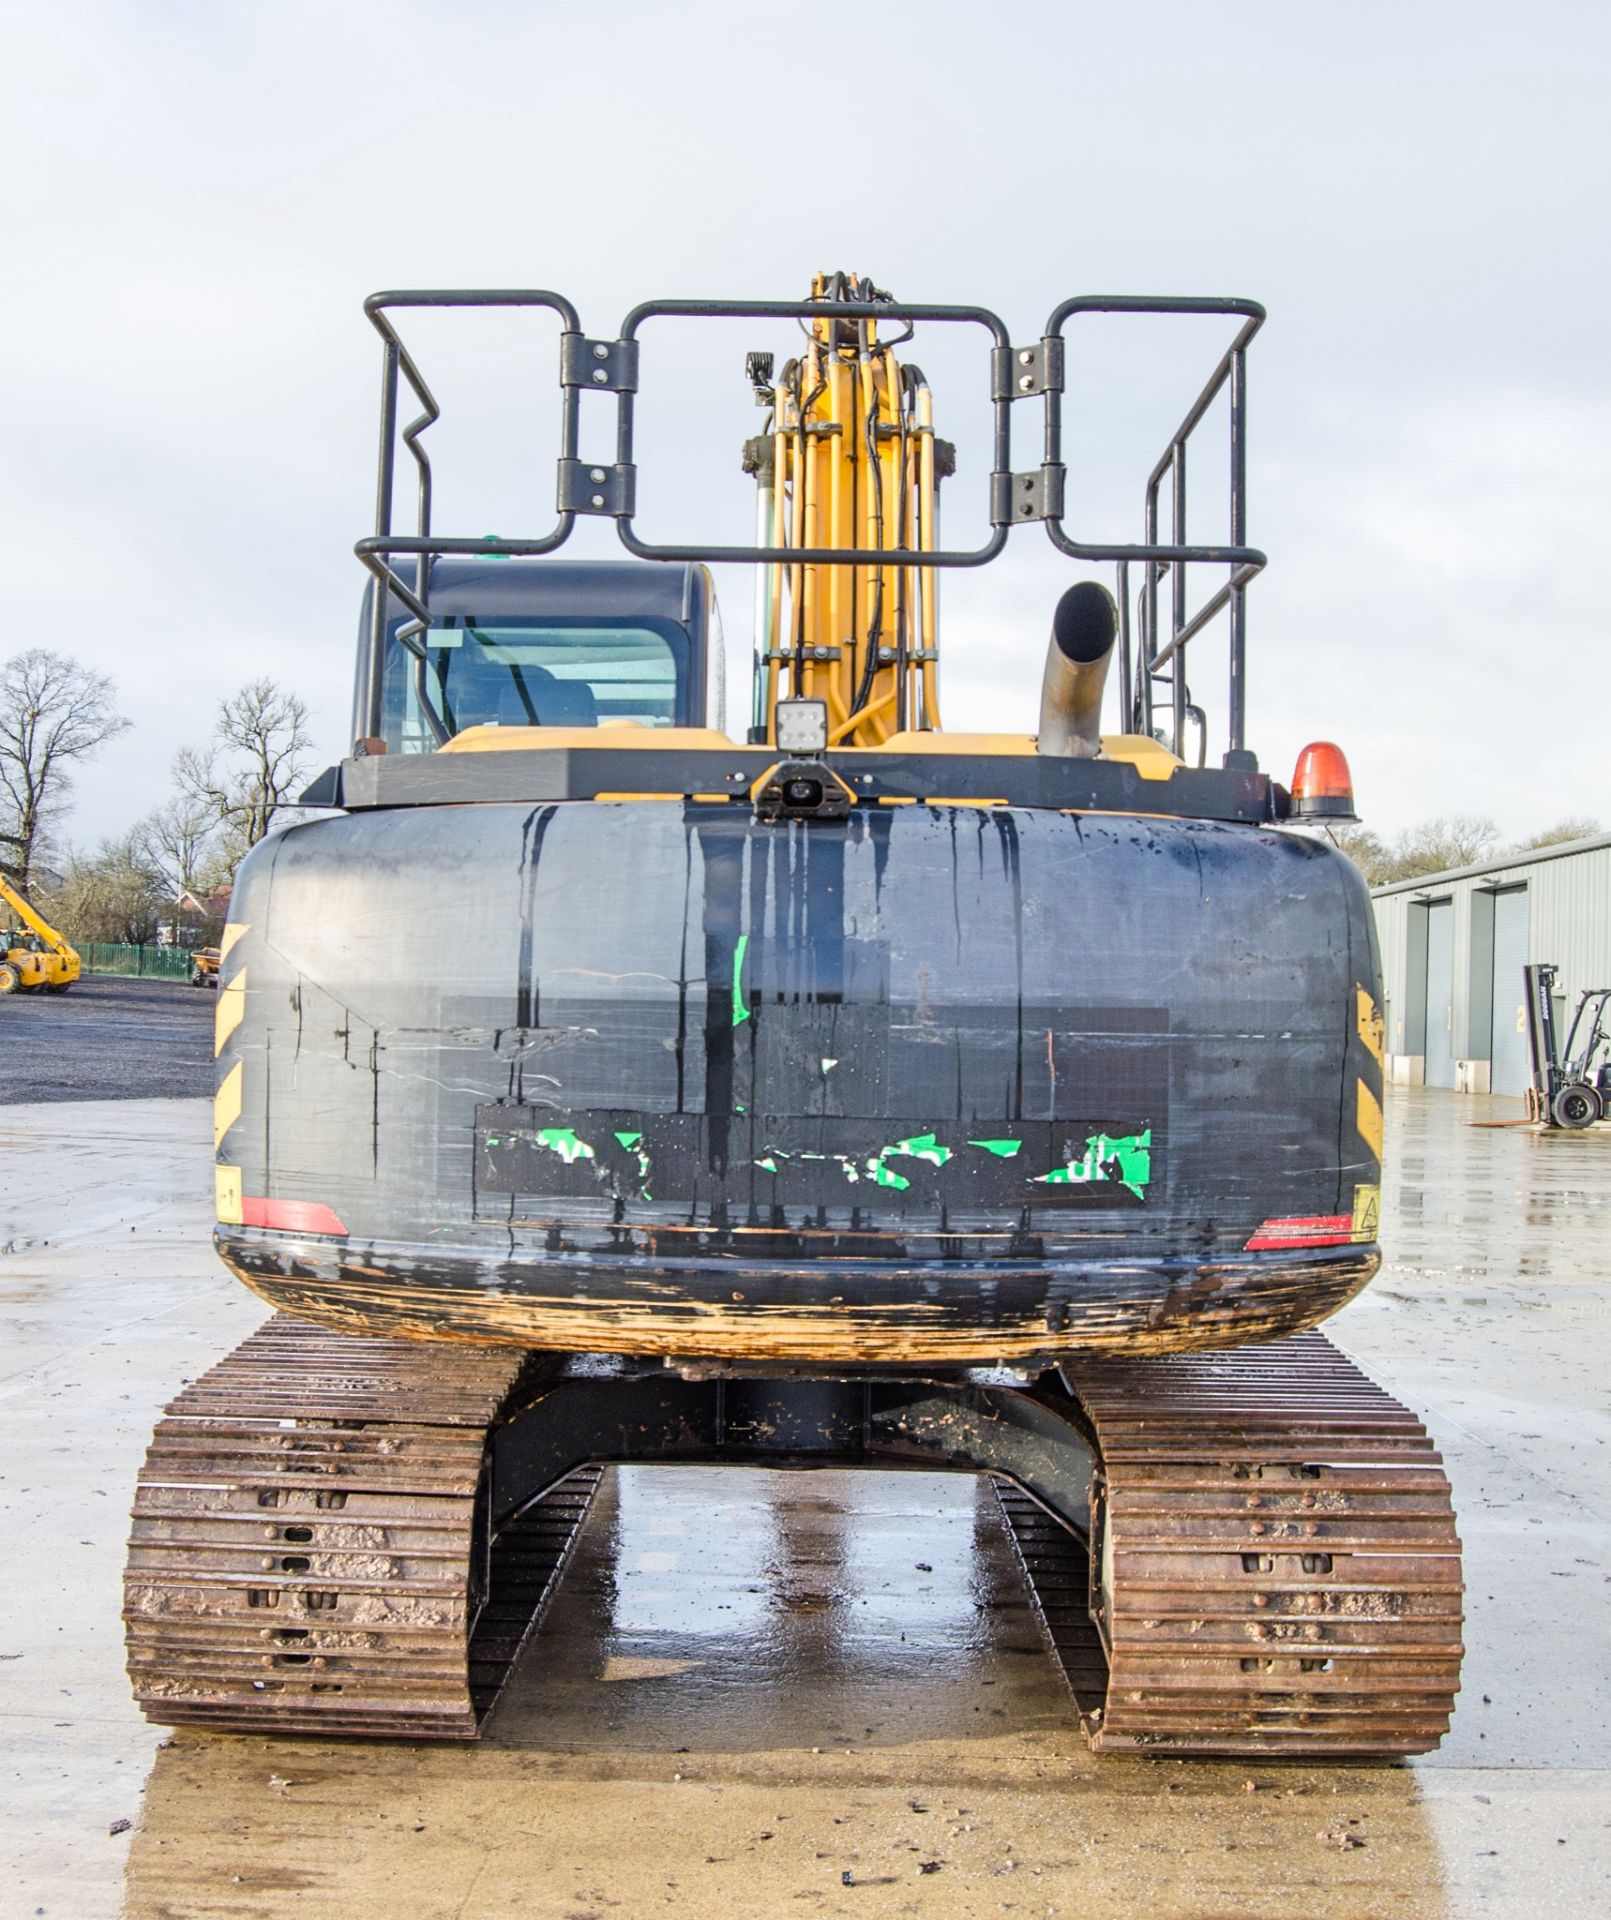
[
  {"x": 228, "y": 1014},
  {"x": 1372, "y": 1028},
  {"x": 227, "y": 1187},
  {"x": 227, "y": 1103},
  {"x": 1368, "y": 1113},
  {"x": 1368, "y": 1118}
]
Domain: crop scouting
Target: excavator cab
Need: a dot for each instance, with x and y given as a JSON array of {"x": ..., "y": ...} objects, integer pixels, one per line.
[{"x": 524, "y": 643}]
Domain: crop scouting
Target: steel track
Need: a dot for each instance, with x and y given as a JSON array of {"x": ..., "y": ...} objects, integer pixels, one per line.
[
  {"x": 1275, "y": 1572},
  {"x": 308, "y": 1554},
  {"x": 1276, "y": 1567}
]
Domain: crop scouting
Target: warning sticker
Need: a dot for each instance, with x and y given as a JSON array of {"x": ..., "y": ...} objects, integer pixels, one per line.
[{"x": 1367, "y": 1213}]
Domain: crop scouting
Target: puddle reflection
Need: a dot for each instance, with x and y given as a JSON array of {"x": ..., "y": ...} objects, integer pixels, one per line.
[{"x": 1450, "y": 1159}]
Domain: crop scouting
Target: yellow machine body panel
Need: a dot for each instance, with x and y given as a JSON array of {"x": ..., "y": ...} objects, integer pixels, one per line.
[{"x": 1151, "y": 759}]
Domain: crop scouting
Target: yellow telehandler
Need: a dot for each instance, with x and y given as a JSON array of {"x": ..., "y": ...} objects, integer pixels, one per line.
[{"x": 34, "y": 954}]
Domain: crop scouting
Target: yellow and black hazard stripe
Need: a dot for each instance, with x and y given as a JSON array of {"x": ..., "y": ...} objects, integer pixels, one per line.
[
  {"x": 227, "y": 1099},
  {"x": 1369, "y": 1056}
]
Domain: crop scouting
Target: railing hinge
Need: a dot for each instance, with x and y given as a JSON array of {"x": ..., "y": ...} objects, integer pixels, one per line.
[
  {"x": 586, "y": 488},
  {"x": 1015, "y": 497},
  {"x": 1018, "y": 373},
  {"x": 602, "y": 366}
]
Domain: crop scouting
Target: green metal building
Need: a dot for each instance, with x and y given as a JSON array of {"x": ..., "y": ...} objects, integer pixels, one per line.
[{"x": 1453, "y": 947}]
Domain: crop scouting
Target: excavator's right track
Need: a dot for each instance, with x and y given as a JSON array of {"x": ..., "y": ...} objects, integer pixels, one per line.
[{"x": 1273, "y": 1567}]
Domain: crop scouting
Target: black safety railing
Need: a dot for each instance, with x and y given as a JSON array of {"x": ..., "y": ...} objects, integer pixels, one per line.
[
  {"x": 1138, "y": 684},
  {"x": 1001, "y": 428},
  {"x": 425, "y": 544},
  {"x": 607, "y": 366}
]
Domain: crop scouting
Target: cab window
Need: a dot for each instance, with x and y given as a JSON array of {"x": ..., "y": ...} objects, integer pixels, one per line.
[{"x": 512, "y": 673}]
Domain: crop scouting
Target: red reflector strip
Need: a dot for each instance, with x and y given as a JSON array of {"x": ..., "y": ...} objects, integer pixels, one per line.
[
  {"x": 1304, "y": 1230},
  {"x": 290, "y": 1216}
]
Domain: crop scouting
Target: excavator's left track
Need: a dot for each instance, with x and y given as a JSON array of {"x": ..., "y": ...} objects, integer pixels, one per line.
[{"x": 311, "y": 1551}]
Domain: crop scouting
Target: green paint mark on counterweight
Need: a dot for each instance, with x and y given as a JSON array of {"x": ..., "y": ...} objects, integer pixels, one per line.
[
  {"x": 740, "y": 1011},
  {"x": 1002, "y": 1149},
  {"x": 630, "y": 1141},
  {"x": 922, "y": 1146},
  {"x": 1132, "y": 1151},
  {"x": 563, "y": 1141}
]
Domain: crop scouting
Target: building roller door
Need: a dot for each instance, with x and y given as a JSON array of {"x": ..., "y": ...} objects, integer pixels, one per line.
[
  {"x": 1440, "y": 994},
  {"x": 1508, "y": 1048}
]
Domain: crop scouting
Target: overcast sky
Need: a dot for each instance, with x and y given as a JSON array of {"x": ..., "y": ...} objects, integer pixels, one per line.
[{"x": 196, "y": 195}]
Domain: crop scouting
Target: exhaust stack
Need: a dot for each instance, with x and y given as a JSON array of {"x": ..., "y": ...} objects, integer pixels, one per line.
[{"x": 1083, "y": 630}]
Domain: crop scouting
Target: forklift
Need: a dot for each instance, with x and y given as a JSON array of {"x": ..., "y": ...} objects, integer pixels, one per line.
[{"x": 1575, "y": 1090}]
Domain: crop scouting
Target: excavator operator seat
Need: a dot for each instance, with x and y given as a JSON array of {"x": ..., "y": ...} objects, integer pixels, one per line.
[{"x": 531, "y": 696}]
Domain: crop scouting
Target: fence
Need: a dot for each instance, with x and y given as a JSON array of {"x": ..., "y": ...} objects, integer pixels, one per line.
[{"x": 148, "y": 963}]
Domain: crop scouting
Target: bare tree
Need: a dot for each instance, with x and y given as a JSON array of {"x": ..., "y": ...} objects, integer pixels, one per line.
[
  {"x": 113, "y": 894},
  {"x": 1368, "y": 851},
  {"x": 255, "y": 764},
  {"x": 1436, "y": 846},
  {"x": 1579, "y": 826},
  {"x": 53, "y": 712},
  {"x": 180, "y": 842}
]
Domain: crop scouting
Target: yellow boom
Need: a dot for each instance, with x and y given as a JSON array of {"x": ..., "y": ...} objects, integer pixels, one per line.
[{"x": 852, "y": 463}]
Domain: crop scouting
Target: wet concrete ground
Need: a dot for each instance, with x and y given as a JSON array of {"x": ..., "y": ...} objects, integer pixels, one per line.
[{"x": 754, "y": 1684}]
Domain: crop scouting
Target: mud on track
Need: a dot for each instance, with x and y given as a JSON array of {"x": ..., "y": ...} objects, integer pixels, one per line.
[{"x": 107, "y": 1038}]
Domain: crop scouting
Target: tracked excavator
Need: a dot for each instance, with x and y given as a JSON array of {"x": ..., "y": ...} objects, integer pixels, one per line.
[{"x": 860, "y": 1092}]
